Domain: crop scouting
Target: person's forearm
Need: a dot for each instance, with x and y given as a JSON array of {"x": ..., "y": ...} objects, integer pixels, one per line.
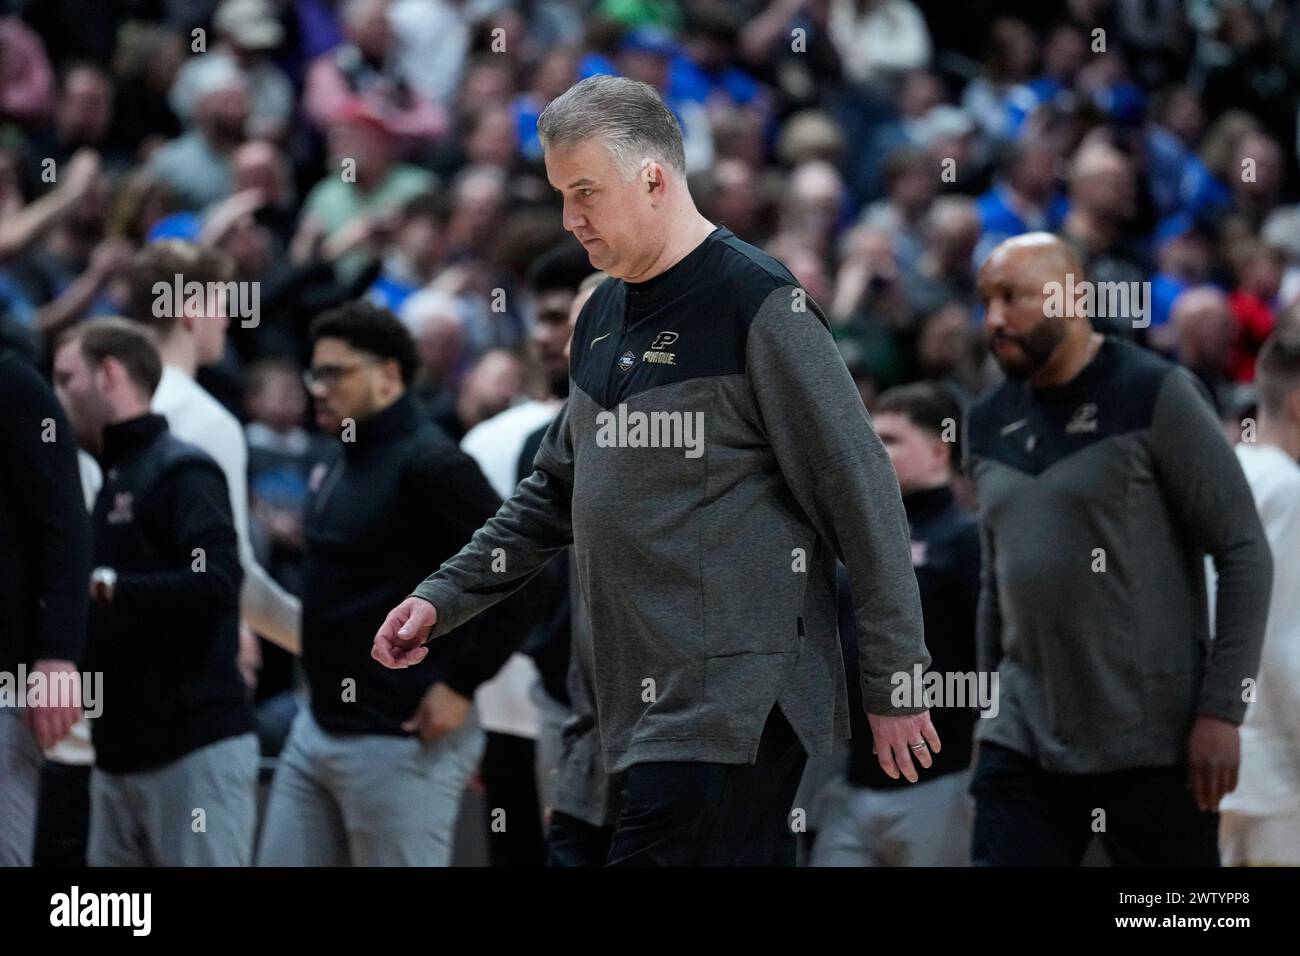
[
  {"x": 54, "y": 317},
  {"x": 527, "y": 530},
  {"x": 502, "y": 556},
  {"x": 758, "y": 36},
  {"x": 19, "y": 231},
  {"x": 210, "y": 586},
  {"x": 270, "y": 610}
]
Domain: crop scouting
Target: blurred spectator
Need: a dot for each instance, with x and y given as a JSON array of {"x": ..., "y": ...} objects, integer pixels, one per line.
[
  {"x": 197, "y": 165},
  {"x": 1205, "y": 332},
  {"x": 364, "y": 179},
  {"x": 1025, "y": 199},
  {"x": 417, "y": 251},
  {"x": 878, "y": 39},
  {"x": 247, "y": 31},
  {"x": 729, "y": 195},
  {"x": 430, "y": 41},
  {"x": 488, "y": 389},
  {"x": 1257, "y": 179},
  {"x": 83, "y": 118},
  {"x": 902, "y": 126},
  {"x": 1176, "y": 124},
  {"x": 1259, "y": 275},
  {"x": 1010, "y": 57},
  {"x": 146, "y": 64},
  {"x": 944, "y": 272},
  {"x": 67, "y": 267},
  {"x": 812, "y": 210},
  {"x": 910, "y": 187},
  {"x": 26, "y": 79},
  {"x": 1250, "y": 74},
  {"x": 1103, "y": 191},
  {"x": 366, "y": 69},
  {"x": 262, "y": 166},
  {"x": 1183, "y": 259}
]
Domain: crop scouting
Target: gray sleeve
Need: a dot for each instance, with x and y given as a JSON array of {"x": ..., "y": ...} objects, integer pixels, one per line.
[
  {"x": 1207, "y": 491},
  {"x": 839, "y": 472},
  {"x": 530, "y": 528}
]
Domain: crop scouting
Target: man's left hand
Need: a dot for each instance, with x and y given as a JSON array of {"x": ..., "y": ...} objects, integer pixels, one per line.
[
  {"x": 898, "y": 740},
  {"x": 441, "y": 711},
  {"x": 1213, "y": 757}
]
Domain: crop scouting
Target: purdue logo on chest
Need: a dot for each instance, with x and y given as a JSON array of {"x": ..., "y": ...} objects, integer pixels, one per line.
[{"x": 656, "y": 354}]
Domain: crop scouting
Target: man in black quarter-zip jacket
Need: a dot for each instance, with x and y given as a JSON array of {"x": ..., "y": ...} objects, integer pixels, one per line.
[
  {"x": 373, "y": 771},
  {"x": 711, "y": 463}
]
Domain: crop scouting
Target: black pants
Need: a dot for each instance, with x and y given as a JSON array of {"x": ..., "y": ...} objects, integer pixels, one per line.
[
  {"x": 574, "y": 842},
  {"x": 713, "y": 814},
  {"x": 1026, "y": 816},
  {"x": 62, "y": 815},
  {"x": 510, "y": 785}
]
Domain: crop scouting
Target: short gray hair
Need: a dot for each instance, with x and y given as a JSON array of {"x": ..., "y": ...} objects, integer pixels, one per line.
[{"x": 629, "y": 116}]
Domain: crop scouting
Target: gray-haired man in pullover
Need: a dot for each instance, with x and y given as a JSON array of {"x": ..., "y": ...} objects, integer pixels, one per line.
[{"x": 711, "y": 463}]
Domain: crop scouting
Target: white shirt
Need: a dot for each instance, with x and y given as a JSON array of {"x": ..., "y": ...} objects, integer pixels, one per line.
[
  {"x": 504, "y": 703},
  {"x": 196, "y": 417},
  {"x": 1269, "y": 779},
  {"x": 497, "y": 443},
  {"x": 885, "y": 41},
  {"x": 430, "y": 41}
]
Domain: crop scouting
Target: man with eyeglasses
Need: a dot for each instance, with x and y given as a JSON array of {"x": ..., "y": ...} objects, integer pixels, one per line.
[{"x": 373, "y": 771}]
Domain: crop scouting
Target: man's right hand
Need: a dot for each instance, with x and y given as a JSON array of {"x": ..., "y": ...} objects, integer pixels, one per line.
[{"x": 399, "y": 642}]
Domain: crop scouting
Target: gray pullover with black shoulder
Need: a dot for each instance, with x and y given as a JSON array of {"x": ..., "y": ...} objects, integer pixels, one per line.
[
  {"x": 1099, "y": 500},
  {"x": 712, "y": 461}
]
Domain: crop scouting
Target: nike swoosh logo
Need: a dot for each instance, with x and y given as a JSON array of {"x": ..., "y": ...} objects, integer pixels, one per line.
[
  {"x": 598, "y": 338},
  {"x": 1008, "y": 429}
]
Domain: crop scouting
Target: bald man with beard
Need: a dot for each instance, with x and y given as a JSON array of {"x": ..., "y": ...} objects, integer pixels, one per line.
[{"x": 1103, "y": 480}]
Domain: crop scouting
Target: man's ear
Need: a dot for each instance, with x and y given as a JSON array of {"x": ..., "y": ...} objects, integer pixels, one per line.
[
  {"x": 652, "y": 175},
  {"x": 109, "y": 375},
  {"x": 942, "y": 451}
]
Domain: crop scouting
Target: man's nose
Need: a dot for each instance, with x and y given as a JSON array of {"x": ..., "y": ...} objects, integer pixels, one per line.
[
  {"x": 994, "y": 317},
  {"x": 572, "y": 218}
]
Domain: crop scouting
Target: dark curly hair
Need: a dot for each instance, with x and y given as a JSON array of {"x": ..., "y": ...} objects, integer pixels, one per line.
[{"x": 368, "y": 328}]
